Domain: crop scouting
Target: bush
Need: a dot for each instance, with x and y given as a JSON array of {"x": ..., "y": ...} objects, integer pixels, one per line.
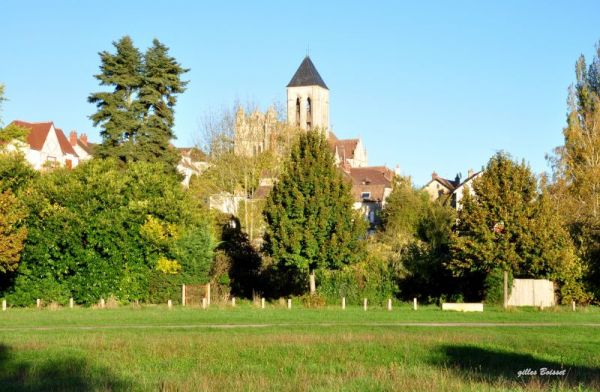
[{"x": 375, "y": 278}]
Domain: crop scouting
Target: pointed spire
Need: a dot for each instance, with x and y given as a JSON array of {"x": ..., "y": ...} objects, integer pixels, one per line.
[{"x": 307, "y": 75}]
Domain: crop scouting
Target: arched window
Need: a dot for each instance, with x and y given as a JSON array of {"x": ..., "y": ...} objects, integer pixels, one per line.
[
  {"x": 298, "y": 111},
  {"x": 308, "y": 113}
]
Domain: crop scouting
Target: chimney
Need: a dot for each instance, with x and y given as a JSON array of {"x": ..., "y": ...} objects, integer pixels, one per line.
[
  {"x": 470, "y": 173},
  {"x": 73, "y": 138},
  {"x": 83, "y": 139},
  {"x": 434, "y": 175}
]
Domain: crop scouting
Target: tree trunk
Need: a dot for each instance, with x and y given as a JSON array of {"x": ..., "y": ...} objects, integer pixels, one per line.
[{"x": 312, "y": 284}]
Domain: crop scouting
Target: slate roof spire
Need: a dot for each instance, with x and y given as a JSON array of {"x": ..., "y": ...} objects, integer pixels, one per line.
[{"x": 307, "y": 75}]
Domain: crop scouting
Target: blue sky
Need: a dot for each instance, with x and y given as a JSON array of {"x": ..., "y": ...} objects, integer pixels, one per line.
[{"x": 430, "y": 86}]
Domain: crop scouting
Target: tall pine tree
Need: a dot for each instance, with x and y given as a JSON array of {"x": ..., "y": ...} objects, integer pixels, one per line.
[
  {"x": 119, "y": 111},
  {"x": 310, "y": 221},
  {"x": 137, "y": 117},
  {"x": 158, "y": 96}
]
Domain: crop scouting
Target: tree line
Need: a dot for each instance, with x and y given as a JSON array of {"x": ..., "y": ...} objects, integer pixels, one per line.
[{"x": 122, "y": 225}]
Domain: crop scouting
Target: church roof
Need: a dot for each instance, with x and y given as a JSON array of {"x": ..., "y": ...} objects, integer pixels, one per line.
[{"x": 307, "y": 75}]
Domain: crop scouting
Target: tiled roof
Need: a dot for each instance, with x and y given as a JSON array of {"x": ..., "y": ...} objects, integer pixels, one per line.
[
  {"x": 307, "y": 75},
  {"x": 374, "y": 179},
  {"x": 38, "y": 133},
  {"x": 345, "y": 147},
  {"x": 65, "y": 146}
]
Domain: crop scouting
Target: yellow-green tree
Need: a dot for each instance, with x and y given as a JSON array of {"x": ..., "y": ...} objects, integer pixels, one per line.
[
  {"x": 576, "y": 186},
  {"x": 12, "y": 231},
  {"x": 509, "y": 225}
]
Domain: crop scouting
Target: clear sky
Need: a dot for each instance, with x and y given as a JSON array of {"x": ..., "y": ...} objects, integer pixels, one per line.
[{"x": 430, "y": 86}]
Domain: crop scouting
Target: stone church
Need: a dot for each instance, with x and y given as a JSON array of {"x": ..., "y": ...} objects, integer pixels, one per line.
[{"x": 307, "y": 108}]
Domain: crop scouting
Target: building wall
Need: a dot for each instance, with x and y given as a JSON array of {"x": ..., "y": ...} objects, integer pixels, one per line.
[
  {"x": 532, "y": 292},
  {"x": 319, "y": 97},
  {"x": 435, "y": 190},
  {"x": 254, "y": 132},
  {"x": 360, "y": 156}
]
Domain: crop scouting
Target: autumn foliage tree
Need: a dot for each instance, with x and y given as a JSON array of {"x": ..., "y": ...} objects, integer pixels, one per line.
[{"x": 576, "y": 185}]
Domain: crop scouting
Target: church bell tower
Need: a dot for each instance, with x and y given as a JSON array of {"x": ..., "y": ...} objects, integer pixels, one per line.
[{"x": 308, "y": 99}]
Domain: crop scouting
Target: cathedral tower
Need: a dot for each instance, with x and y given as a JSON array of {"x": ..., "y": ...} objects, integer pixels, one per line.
[{"x": 308, "y": 98}]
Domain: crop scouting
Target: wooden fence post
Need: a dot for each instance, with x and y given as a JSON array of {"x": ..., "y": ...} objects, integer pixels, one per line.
[
  {"x": 102, "y": 303},
  {"x": 169, "y": 304},
  {"x": 289, "y": 303},
  {"x": 573, "y": 305},
  {"x": 71, "y": 303},
  {"x": 343, "y": 302},
  {"x": 208, "y": 293},
  {"x": 204, "y": 303},
  {"x": 38, "y": 303},
  {"x": 182, "y": 295},
  {"x": 365, "y": 304},
  {"x": 505, "y": 289},
  {"x": 415, "y": 303},
  {"x": 3, "y": 305},
  {"x": 262, "y": 303},
  {"x": 233, "y": 301},
  {"x": 389, "y": 307}
]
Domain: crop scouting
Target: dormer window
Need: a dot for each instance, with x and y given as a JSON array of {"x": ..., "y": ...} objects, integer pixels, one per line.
[{"x": 365, "y": 195}]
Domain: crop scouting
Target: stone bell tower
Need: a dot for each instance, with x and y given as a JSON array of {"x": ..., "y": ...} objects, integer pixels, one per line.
[{"x": 308, "y": 99}]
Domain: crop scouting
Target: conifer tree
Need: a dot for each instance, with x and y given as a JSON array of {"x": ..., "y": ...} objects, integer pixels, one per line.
[
  {"x": 119, "y": 111},
  {"x": 158, "y": 96},
  {"x": 137, "y": 117},
  {"x": 310, "y": 221}
]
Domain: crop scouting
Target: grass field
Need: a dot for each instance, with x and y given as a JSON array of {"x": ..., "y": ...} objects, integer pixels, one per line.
[{"x": 246, "y": 348}]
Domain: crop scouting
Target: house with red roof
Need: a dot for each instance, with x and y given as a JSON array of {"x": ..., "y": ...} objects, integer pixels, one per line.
[{"x": 46, "y": 146}]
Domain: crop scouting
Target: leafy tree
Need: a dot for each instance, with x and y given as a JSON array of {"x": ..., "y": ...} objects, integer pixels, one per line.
[
  {"x": 576, "y": 186},
  {"x": 137, "y": 117},
  {"x": 417, "y": 231},
  {"x": 404, "y": 210},
  {"x": 15, "y": 172},
  {"x": 507, "y": 225},
  {"x": 11, "y": 132},
  {"x": 12, "y": 231},
  {"x": 102, "y": 229},
  {"x": 310, "y": 221}
]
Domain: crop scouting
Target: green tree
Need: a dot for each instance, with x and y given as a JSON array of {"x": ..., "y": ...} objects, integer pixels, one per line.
[
  {"x": 310, "y": 223},
  {"x": 507, "y": 225},
  {"x": 161, "y": 83},
  {"x": 417, "y": 231},
  {"x": 89, "y": 235},
  {"x": 576, "y": 185},
  {"x": 119, "y": 111},
  {"x": 12, "y": 231},
  {"x": 137, "y": 116}
]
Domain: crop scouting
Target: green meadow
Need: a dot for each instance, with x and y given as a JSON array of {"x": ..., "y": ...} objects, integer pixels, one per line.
[{"x": 279, "y": 349}]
